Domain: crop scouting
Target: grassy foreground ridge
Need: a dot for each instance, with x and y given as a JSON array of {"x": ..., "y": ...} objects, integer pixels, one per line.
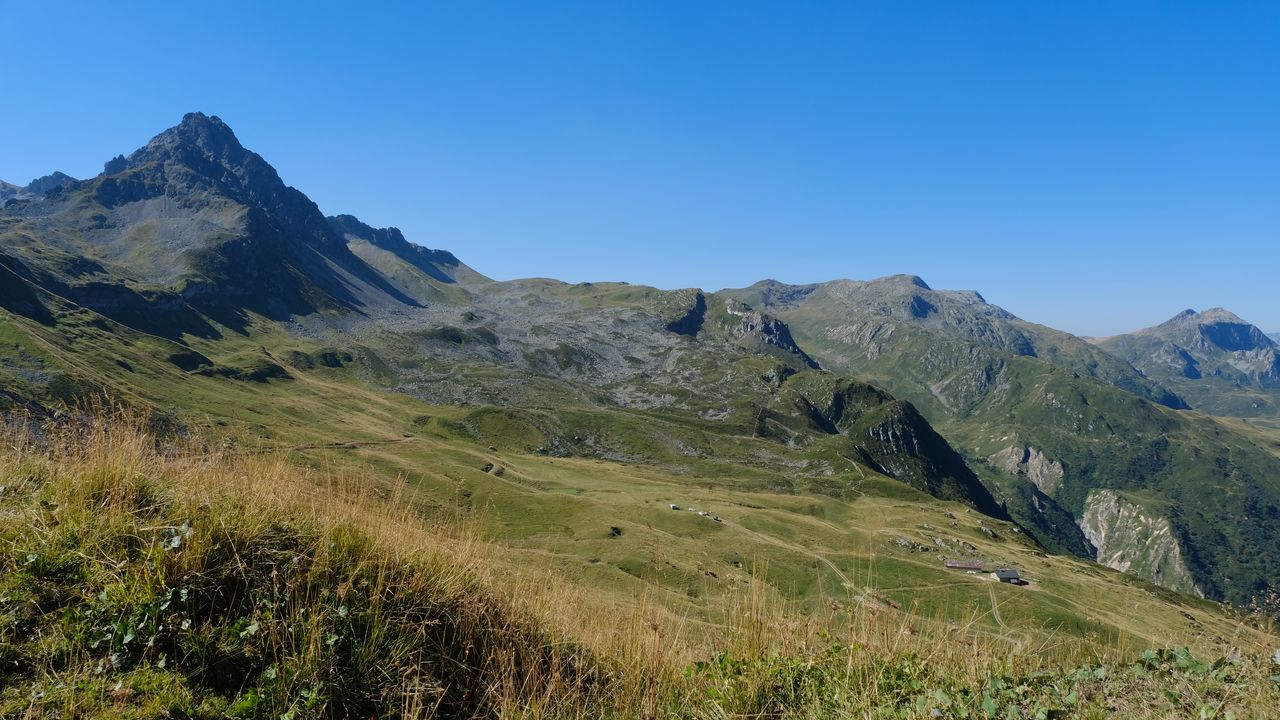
[{"x": 149, "y": 577}]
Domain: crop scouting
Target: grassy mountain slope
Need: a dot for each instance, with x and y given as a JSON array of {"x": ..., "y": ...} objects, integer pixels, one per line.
[
  {"x": 151, "y": 578},
  {"x": 812, "y": 524},
  {"x": 846, "y": 313},
  {"x": 804, "y": 518},
  {"x": 1003, "y": 389},
  {"x": 200, "y": 583}
]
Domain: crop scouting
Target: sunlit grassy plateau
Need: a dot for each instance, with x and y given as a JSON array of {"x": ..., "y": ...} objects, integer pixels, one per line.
[{"x": 315, "y": 547}]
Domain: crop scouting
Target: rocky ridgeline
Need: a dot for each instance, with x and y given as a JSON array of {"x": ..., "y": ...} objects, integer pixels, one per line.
[{"x": 35, "y": 189}]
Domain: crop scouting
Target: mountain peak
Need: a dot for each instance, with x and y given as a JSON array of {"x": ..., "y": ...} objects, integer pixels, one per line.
[
  {"x": 199, "y": 119},
  {"x": 197, "y": 125},
  {"x": 35, "y": 189},
  {"x": 199, "y": 155},
  {"x": 197, "y": 137},
  {"x": 1207, "y": 317},
  {"x": 207, "y": 131},
  {"x": 1212, "y": 316},
  {"x": 49, "y": 183},
  {"x": 439, "y": 264},
  {"x": 913, "y": 280},
  {"x": 1221, "y": 315},
  {"x": 1215, "y": 327}
]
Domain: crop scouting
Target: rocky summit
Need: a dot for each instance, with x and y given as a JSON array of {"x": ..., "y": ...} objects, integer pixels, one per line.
[
  {"x": 35, "y": 189},
  {"x": 1224, "y": 364}
]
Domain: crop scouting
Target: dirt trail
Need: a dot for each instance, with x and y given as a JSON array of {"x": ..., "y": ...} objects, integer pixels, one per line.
[
  {"x": 800, "y": 549},
  {"x": 995, "y": 609}
]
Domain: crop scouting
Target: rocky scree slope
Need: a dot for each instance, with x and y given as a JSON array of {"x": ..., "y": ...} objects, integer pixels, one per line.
[{"x": 683, "y": 353}]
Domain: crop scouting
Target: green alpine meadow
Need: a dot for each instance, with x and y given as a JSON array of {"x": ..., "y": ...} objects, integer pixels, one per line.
[
  {"x": 639, "y": 360},
  {"x": 260, "y": 462}
]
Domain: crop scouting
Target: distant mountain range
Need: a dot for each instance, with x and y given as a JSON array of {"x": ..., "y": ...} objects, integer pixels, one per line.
[
  {"x": 35, "y": 189},
  {"x": 1052, "y": 423},
  {"x": 193, "y": 247}
]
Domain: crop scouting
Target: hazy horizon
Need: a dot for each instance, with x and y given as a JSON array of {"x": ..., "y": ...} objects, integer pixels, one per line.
[{"x": 1096, "y": 168}]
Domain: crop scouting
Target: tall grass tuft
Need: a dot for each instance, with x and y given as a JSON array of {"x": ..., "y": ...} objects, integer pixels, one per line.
[{"x": 167, "y": 579}]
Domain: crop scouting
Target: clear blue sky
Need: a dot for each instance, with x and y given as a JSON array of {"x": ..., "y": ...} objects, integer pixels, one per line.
[{"x": 1095, "y": 166}]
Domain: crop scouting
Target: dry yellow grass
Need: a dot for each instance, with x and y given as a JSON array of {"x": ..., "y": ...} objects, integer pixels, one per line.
[{"x": 320, "y": 593}]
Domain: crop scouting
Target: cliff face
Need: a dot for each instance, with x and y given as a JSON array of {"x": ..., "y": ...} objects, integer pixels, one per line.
[
  {"x": 763, "y": 331},
  {"x": 1032, "y": 464},
  {"x": 901, "y": 443},
  {"x": 1132, "y": 539}
]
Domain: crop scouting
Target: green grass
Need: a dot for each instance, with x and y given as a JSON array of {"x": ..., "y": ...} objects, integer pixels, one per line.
[
  {"x": 142, "y": 585},
  {"x": 148, "y": 578},
  {"x": 787, "y": 511},
  {"x": 827, "y": 540},
  {"x": 1076, "y": 404}
]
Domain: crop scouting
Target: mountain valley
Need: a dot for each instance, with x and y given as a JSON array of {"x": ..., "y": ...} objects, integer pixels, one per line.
[
  {"x": 1047, "y": 419},
  {"x": 834, "y": 443},
  {"x": 195, "y": 240}
]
